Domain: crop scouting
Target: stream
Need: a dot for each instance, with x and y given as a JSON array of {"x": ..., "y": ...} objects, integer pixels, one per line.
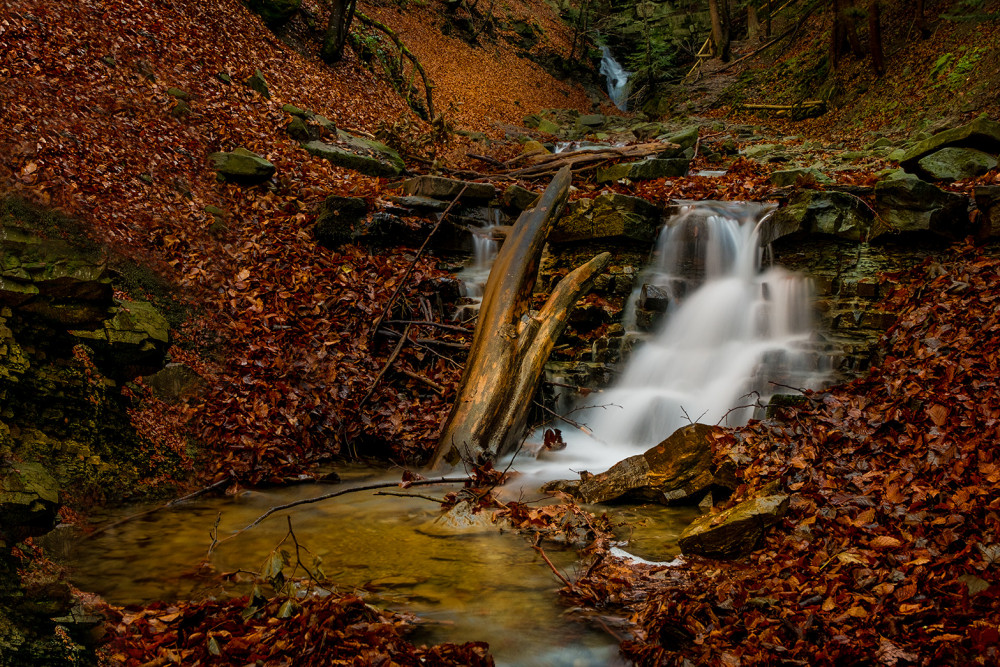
[{"x": 732, "y": 329}]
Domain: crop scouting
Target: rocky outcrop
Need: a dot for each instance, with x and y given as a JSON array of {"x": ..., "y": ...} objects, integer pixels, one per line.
[
  {"x": 908, "y": 204},
  {"x": 358, "y": 153},
  {"x": 955, "y": 164},
  {"x": 810, "y": 212},
  {"x": 644, "y": 170},
  {"x": 275, "y": 12},
  {"x": 29, "y": 499},
  {"x": 988, "y": 202},
  {"x": 339, "y": 220},
  {"x": 981, "y": 134},
  {"x": 437, "y": 187},
  {"x": 676, "y": 470},
  {"x": 735, "y": 532},
  {"x": 606, "y": 217},
  {"x": 242, "y": 166}
]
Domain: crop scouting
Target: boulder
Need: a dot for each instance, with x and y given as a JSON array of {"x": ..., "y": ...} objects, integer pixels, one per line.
[
  {"x": 418, "y": 203},
  {"x": 437, "y": 187},
  {"x": 817, "y": 212},
  {"x": 136, "y": 335},
  {"x": 735, "y": 532},
  {"x": 29, "y": 499},
  {"x": 988, "y": 202},
  {"x": 786, "y": 177},
  {"x": 275, "y": 12},
  {"x": 518, "y": 198},
  {"x": 982, "y": 134},
  {"x": 258, "y": 83},
  {"x": 242, "y": 166},
  {"x": 593, "y": 120},
  {"x": 685, "y": 140},
  {"x": 673, "y": 471},
  {"x": 339, "y": 220},
  {"x": 175, "y": 382},
  {"x": 644, "y": 170},
  {"x": 908, "y": 204},
  {"x": 368, "y": 157},
  {"x": 955, "y": 164},
  {"x": 608, "y": 216}
]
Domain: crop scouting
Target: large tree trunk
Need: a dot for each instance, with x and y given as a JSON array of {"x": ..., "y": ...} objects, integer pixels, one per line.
[
  {"x": 337, "y": 30},
  {"x": 511, "y": 344},
  {"x": 718, "y": 11},
  {"x": 875, "y": 36}
]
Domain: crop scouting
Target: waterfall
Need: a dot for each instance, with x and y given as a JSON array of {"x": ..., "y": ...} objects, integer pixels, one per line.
[
  {"x": 473, "y": 277},
  {"x": 617, "y": 79},
  {"x": 731, "y": 331}
]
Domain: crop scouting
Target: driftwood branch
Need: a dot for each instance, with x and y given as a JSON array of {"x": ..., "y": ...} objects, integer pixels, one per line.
[
  {"x": 388, "y": 363},
  {"x": 547, "y": 164}
]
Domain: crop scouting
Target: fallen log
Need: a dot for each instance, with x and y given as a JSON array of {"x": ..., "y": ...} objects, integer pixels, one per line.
[
  {"x": 547, "y": 164},
  {"x": 512, "y": 343}
]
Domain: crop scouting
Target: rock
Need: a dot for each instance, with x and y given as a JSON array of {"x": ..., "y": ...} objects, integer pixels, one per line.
[
  {"x": 654, "y": 298},
  {"x": 735, "y": 532},
  {"x": 685, "y": 139},
  {"x": 181, "y": 110},
  {"x": 460, "y": 520},
  {"x": 135, "y": 336},
  {"x": 757, "y": 151},
  {"x": 258, "y": 83},
  {"x": 370, "y": 160},
  {"x": 275, "y": 12},
  {"x": 52, "y": 279},
  {"x": 300, "y": 130},
  {"x": 982, "y": 134},
  {"x": 955, "y": 164},
  {"x": 175, "y": 382},
  {"x": 532, "y": 147},
  {"x": 448, "y": 188},
  {"x": 418, "y": 203},
  {"x": 677, "y": 469},
  {"x": 518, "y": 198},
  {"x": 786, "y": 177},
  {"x": 593, "y": 120},
  {"x": 224, "y": 78},
  {"x": 242, "y": 166},
  {"x": 29, "y": 499},
  {"x": 608, "y": 216},
  {"x": 988, "y": 202},
  {"x": 909, "y": 204},
  {"x": 296, "y": 111},
  {"x": 817, "y": 212},
  {"x": 339, "y": 220},
  {"x": 547, "y": 126},
  {"x": 644, "y": 170},
  {"x": 178, "y": 93}
]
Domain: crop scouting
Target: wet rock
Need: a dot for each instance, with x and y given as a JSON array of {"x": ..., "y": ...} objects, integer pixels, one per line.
[
  {"x": 644, "y": 170},
  {"x": 982, "y": 134},
  {"x": 988, "y": 202},
  {"x": 242, "y": 166},
  {"x": 608, "y": 216},
  {"x": 175, "y": 382},
  {"x": 735, "y": 532},
  {"x": 955, "y": 164},
  {"x": 816, "y": 212},
  {"x": 417, "y": 203},
  {"x": 654, "y": 297},
  {"x": 363, "y": 155},
  {"x": 909, "y": 204},
  {"x": 518, "y": 198},
  {"x": 29, "y": 499},
  {"x": 786, "y": 177},
  {"x": 675, "y": 470},
  {"x": 437, "y": 187},
  {"x": 339, "y": 220}
]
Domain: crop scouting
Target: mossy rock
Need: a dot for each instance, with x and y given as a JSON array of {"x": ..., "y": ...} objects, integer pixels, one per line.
[
  {"x": 29, "y": 498},
  {"x": 982, "y": 134},
  {"x": 258, "y": 83},
  {"x": 365, "y": 156},
  {"x": 608, "y": 216},
  {"x": 339, "y": 220},
  {"x": 734, "y": 532},
  {"x": 242, "y": 166},
  {"x": 275, "y": 12}
]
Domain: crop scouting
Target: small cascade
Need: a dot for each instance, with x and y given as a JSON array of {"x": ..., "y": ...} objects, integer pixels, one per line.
[
  {"x": 617, "y": 79},
  {"x": 474, "y": 276},
  {"x": 732, "y": 333}
]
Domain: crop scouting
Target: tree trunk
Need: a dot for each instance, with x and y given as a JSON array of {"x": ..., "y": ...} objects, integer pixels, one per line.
[
  {"x": 851, "y": 28},
  {"x": 753, "y": 22},
  {"x": 875, "y": 36},
  {"x": 836, "y": 35},
  {"x": 511, "y": 343},
  {"x": 770, "y": 10},
  {"x": 920, "y": 20},
  {"x": 720, "y": 28},
  {"x": 341, "y": 15}
]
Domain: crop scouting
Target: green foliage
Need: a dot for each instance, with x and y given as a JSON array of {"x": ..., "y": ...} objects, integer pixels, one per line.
[
  {"x": 970, "y": 11},
  {"x": 951, "y": 72}
]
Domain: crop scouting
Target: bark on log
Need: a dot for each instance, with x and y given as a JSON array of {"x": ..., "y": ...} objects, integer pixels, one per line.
[{"x": 511, "y": 344}]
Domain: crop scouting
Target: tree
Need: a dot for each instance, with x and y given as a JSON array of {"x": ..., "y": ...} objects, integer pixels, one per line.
[
  {"x": 875, "y": 36},
  {"x": 512, "y": 343},
  {"x": 337, "y": 30},
  {"x": 719, "y": 12}
]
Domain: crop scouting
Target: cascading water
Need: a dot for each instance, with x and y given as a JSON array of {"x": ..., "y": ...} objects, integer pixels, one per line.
[
  {"x": 617, "y": 78},
  {"x": 731, "y": 332},
  {"x": 473, "y": 277}
]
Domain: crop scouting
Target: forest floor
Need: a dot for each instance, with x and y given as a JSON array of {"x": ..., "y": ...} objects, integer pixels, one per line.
[{"x": 281, "y": 329}]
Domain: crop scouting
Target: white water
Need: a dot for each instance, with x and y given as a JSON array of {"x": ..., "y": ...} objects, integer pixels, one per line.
[
  {"x": 733, "y": 329},
  {"x": 474, "y": 276},
  {"x": 617, "y": 79}
]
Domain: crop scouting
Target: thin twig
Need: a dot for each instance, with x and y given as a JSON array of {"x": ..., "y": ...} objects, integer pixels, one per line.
[
  {"x": 175, "y": 501},
  {"x": 392, "y": 358},
  {"x": 409, "y": 269},
  {"x": 427, "y": 381},
  {"x": 541, "y": 552},
  {"x": 430, "y": 323},
  {"x": 342, "y": 492},
  {"x": 569, "y": 421},
  {"x": 439, "y": 501},
  {"x": 487, "y": 159}
]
